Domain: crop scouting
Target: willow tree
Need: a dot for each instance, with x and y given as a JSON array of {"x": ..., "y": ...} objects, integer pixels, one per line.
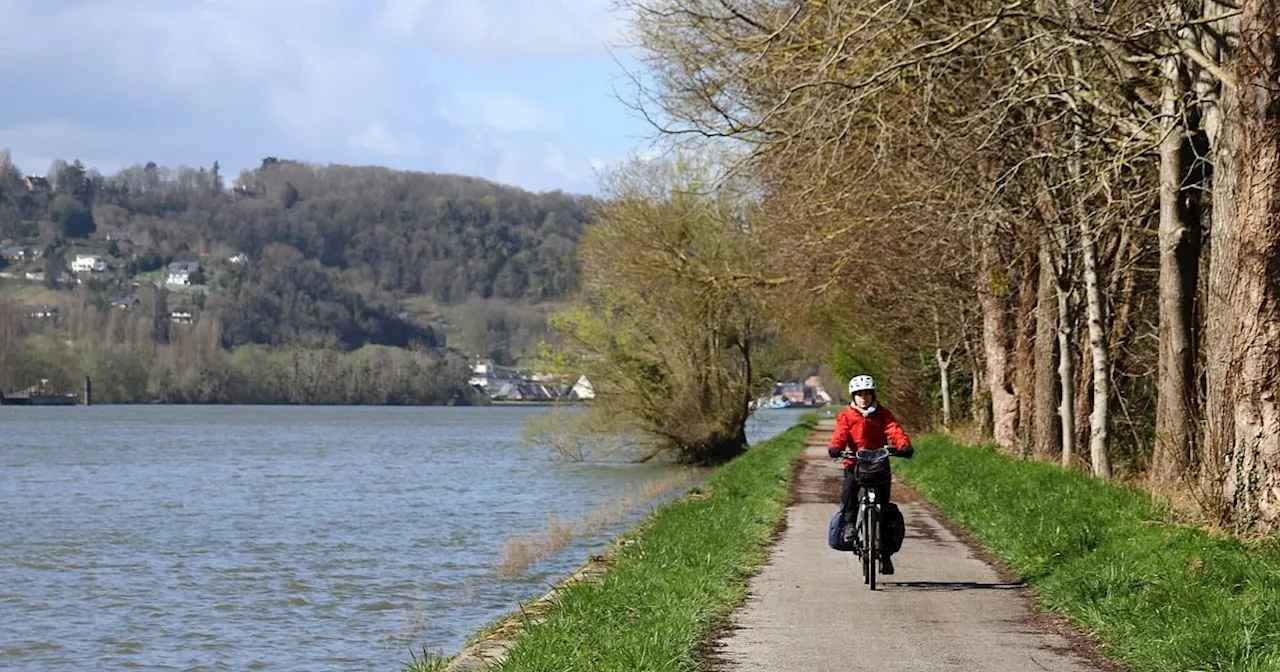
[{"x": 672, "y": 311}]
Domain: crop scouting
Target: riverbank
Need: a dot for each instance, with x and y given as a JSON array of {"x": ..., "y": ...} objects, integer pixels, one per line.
[
  {"x": 669, "y": 583},
  {"x": 1160, "y": 596}
]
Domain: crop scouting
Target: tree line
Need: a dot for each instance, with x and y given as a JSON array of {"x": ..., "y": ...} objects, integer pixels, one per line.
[
  {"x": 142, "y": 356},
  {"x": 1066, "y": 208},
  {"x": 338, "y": 259},
  {"x": 446, "y": 236},
  {"x": 335, "y": 251}
]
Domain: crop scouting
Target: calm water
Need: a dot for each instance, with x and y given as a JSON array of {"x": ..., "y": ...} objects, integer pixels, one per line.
[{"x": 275, "y": 538}]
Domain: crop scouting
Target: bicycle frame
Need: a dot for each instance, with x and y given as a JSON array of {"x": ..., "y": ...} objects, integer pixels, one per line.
[{"x": 868, "y": 531}]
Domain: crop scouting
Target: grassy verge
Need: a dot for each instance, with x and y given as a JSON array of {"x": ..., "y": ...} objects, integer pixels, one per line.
[
  {"x": 1161, "y": 597},
  {"x": 675, "y": 578}
]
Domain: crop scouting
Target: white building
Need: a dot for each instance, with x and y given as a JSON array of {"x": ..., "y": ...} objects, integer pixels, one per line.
[
  {"x": 180, "y": 272},
  {"x": 480, "y": 372},
  {"x": 582, "y": 389},
  {"x": 88, "y": 263}
]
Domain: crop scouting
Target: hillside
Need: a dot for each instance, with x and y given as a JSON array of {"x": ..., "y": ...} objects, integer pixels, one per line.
[{"x": 336, "y": 255}]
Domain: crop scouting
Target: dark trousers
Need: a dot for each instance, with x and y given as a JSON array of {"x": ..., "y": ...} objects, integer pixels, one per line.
[{"x": 851, "y": 490}]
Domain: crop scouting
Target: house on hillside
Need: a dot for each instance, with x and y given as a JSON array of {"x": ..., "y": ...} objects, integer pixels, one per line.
[
  {"x": 240, "y": 258},
  {"x": 119, "y": 236},
  {"x": 43, "y": 312},
  {"x": 88, "y": 263},
  {"x": 14, "y": 253},
  {"x": 125, "y": 302},
  {"x": 182, "y": 316},
  {"x": 180, "y": 272},
  {"x": 38, "y": 183},
  {"x": 582, "y": 389}
]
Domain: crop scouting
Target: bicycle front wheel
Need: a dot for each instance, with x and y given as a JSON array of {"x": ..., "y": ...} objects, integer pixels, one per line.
[
  {"x": 862, "y": 544},
  {"x": 873, "y": 545}
]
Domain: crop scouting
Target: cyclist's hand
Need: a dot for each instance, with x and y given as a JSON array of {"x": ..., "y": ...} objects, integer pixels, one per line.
[{"x": 905, "y": 453}]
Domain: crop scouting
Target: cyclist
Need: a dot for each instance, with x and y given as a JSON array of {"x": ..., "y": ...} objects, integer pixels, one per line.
[{"x": 865, "y": 424}]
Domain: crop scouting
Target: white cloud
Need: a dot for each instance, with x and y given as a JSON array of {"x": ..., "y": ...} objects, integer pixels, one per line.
[
  {"x": 504, "y": 112},
  {"x": 503, "y": 28},
  {"x": 377, "y": 138},
  {"x": 128, "y": 81}
]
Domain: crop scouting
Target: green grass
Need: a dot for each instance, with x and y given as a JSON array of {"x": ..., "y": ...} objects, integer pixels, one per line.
[
  {"x": 686, "y": 568},
  {"x": 1161, "y": 597},
  {"x": 428, "y": 662}
]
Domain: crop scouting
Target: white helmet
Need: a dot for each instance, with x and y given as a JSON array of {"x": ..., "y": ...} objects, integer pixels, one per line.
[{"x": 860, "y": 383}]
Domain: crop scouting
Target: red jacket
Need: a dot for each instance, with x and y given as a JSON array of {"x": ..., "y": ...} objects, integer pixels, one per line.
[{"x": 855, "y": 432}]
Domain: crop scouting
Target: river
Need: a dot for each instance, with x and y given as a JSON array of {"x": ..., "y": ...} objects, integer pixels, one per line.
[{"x": 277, "y": 538}]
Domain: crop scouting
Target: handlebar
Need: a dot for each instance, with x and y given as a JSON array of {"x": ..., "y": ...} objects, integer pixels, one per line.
[{"x": 868, "y": 455}]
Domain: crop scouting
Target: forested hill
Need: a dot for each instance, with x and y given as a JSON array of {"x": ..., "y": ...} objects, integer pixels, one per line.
[{"x": 334, "y": 251}]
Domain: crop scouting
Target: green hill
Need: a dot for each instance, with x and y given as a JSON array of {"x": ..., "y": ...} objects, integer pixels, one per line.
[{"x": 336, "y": 255}]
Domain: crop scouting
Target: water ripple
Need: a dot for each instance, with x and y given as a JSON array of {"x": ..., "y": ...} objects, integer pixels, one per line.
[{"x": 233, "y": 538}]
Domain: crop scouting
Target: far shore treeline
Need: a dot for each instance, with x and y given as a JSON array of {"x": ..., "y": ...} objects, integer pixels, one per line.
[{"x": 308, "y": 284}]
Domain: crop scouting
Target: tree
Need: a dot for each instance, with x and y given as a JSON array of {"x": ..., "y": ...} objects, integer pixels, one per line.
[
  {"x": 1243, "y": 363},
  {"x": 55, "y": 265},
  {"x": 672, "y": 313},
  {"x": 73, "y": 217}
]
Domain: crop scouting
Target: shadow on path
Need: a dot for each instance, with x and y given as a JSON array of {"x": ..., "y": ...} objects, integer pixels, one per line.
[{"x": 950, "y": 585}]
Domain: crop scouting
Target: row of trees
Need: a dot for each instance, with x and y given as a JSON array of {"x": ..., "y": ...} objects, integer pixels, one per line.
[
  {"x": 137, "y": 356},
  {"x": 1073, "y": 204}
]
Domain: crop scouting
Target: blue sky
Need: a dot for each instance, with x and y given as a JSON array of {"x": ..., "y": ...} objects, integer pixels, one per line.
[{"x": 517, "y": 91}]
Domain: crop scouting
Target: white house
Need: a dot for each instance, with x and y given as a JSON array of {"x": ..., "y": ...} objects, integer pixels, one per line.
[
  {"x": 582, "y": 389},
  {"x": 88, "y": 263},
  {"x": 481, "y": 369},
  {"x": 240, "y": 258},
  {"x": 180, "y": 272}
]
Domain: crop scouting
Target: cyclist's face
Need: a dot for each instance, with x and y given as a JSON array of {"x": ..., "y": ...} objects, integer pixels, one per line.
[{"x": 864, "y": 398}]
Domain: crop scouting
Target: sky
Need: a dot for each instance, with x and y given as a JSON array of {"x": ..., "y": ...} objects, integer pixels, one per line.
[{"x": 522, "y": 92}]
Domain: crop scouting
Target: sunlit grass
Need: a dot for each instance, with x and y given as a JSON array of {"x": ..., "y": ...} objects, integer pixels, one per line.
[
  {"x": 688, "y": 568},
  {"x": 1160, "y": 596}
]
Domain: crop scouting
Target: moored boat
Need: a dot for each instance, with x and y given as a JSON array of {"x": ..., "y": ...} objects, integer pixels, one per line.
[{"x": 42, "y": 394}]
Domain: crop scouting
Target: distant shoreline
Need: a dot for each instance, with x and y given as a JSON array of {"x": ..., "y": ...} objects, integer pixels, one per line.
[{"x": 296, "y": 404}]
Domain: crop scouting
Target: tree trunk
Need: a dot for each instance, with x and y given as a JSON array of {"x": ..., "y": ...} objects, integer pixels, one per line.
[
  {"x": 944, "y": 382},
  {"x": 1243, "y": 411},
  {"x": 1084, "y": 387},
  {"x": 1100, "y": 419},
  {"x": 1172, "y": 453},
  {"x": 995, "y": 338},
  {"x": 1024, "y": 370},
  {"x": 981, "y": 403},
  {"x": 1066, "y": 357},
  {"x": 1045, "y": 437},
  {"x": 1124, "y": 278}
]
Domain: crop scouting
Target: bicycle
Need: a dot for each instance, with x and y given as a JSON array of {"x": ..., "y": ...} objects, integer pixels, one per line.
[{"x": 867, "y": 525}]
